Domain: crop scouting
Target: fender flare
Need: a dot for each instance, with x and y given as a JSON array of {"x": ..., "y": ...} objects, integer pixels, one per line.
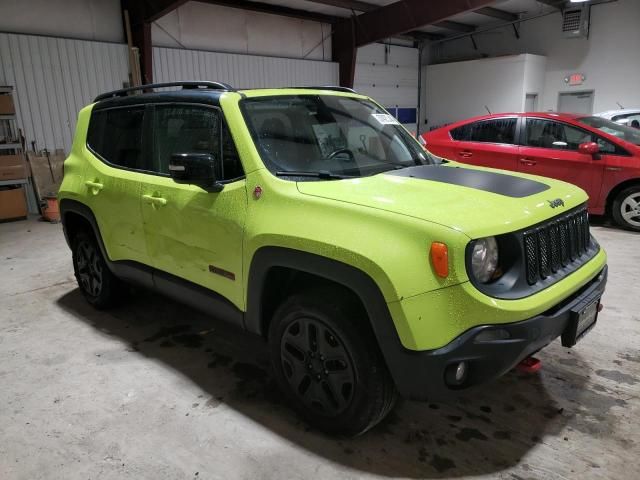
[
  {"x": 360, "y": 283},
  {"x": 73, "y": 206},
  {"x": 127, "y": 270}
]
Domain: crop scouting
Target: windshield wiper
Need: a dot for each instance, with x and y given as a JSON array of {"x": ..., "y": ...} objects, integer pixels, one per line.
[{"x": 323, "y": 174}]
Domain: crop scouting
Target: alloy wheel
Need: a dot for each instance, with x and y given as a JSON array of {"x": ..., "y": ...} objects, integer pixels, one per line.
[
  {"x": 317, "y": 366},
  {"x": 89, "y": 268},
  {"x": 630, "y": 209}
]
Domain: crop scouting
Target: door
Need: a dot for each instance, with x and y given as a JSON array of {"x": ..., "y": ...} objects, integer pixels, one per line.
[
  {"x": 531, "y": 102},
  {"x": 489, "y": 143},
  {"x": 191, "y": 233},
  {"x": 576, "y": 102},
  {"x": 550, "y": 149},
  {"x": 114, "y": 151}
]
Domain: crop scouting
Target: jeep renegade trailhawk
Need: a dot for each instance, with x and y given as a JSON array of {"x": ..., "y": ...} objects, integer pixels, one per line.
[{"x": 311, "y": 217}]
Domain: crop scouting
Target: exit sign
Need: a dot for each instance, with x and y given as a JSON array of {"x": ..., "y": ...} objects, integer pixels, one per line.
[{"x": 575, "y": 79}]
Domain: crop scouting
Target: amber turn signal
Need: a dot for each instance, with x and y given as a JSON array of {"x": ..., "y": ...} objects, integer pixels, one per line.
[{"x": 440, "y": 258}]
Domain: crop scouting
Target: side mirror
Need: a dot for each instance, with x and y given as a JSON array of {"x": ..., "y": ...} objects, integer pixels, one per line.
[
  {"x": 195, "y": 169},
  {"x": 589, "y": 148}
]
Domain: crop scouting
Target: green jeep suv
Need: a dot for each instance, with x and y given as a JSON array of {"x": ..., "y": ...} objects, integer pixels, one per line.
[{"x": 309, "y": 216}]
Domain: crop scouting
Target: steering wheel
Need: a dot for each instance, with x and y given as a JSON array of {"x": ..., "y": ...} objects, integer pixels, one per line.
[{"x": 337, "y": 152}]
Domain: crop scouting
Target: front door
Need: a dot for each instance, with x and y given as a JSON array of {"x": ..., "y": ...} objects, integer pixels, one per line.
[
  {"x": 550, "y": 149},
  {"x": 191, "y": 233},
  {"x": 114, "y": 151}
]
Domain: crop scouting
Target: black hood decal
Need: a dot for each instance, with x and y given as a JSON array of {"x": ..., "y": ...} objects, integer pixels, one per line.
[{"x": 500, "y": 183}]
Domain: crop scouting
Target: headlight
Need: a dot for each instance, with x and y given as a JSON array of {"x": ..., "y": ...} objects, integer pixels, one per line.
[{"x": 484, "y": 259}]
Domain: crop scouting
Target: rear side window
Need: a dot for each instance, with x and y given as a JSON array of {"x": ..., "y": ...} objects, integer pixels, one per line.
[
  {"x": 499, "y": 130},
  {"x": 116, "y": 136}
]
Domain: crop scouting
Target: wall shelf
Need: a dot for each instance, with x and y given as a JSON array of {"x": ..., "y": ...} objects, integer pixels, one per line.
[{"x": 10, "y": 146}]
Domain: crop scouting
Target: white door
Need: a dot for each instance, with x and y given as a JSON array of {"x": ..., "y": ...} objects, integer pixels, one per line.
[
  {"x": 531, "y": 102},
  {"x": 576, "y": 102}
]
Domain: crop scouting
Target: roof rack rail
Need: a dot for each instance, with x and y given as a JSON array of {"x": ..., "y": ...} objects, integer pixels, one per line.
[
  {"x": 330, "y": 87},
  {"x": 185, "y": 85}
]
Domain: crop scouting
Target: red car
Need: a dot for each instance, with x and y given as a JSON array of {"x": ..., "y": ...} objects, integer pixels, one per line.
[{"x": 600, "y": 156}]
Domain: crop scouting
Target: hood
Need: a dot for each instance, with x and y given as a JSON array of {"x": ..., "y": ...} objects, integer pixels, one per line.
[{"x": 475, "y": 201}]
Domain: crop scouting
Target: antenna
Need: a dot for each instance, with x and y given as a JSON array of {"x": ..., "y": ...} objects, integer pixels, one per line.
[
  {"x": 618, "y": 103},
  {"x": 487, "y": 109}
]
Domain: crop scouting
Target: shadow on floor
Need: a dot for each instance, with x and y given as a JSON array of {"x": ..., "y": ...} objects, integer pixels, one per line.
[{"x": 486, "y": 430}]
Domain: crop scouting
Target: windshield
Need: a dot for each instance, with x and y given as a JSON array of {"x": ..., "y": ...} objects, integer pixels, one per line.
[
  {"x": 623, "y": 132},
  {"x": 329, "y": 136}
]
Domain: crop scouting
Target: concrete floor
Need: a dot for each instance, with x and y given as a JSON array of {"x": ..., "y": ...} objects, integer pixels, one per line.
[{"x": 155, "y": 390}]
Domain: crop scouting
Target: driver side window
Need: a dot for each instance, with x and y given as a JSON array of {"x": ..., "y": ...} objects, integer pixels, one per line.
[{"x": 555, "y": 135}]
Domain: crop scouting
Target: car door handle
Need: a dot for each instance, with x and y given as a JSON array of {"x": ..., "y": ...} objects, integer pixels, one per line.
[
  {"x": 465, "y": 154},
  {"x": 528, "y": 162},
  {"x": 95, "y": 187},
  {"x": 155, "y": 201}
]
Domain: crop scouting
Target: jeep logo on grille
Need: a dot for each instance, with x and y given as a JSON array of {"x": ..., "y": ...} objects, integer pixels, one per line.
[{"x": 558, "y": 202}]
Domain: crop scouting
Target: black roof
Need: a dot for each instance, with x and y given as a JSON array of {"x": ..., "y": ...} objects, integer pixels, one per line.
[
  {"x": 196, "y": 92},
  {"x": 180, "y": 96}
]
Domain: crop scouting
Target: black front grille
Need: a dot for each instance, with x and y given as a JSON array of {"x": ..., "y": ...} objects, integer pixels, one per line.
[{"x": 556, "y": 244}]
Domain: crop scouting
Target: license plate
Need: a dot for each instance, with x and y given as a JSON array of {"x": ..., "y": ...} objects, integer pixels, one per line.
[{"x": 581, "y": 321}]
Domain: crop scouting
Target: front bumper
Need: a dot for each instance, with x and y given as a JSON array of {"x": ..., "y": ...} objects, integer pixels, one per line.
[{"x": 422, "y": 374}]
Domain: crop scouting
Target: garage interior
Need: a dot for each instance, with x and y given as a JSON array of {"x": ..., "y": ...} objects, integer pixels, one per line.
[{"x": 154, "y": 389}]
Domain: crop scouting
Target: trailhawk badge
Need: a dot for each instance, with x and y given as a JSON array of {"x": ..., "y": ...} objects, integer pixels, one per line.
[{"x": 558, "y": 202}]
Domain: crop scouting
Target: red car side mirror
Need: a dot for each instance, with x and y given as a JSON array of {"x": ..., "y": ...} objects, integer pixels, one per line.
[{"x": 589, "y": 148}]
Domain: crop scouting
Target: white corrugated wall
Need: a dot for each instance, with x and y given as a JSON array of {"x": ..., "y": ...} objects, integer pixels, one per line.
[
  {"x": 53, "y": 78},
  {"x": 240, "y": 71}
]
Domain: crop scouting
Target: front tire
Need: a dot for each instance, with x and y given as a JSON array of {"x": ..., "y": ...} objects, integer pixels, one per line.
[
  {"x": 98, "y": 285},
  {"x": 327, "y": 363},
  {"x": 626, "y": 208}
]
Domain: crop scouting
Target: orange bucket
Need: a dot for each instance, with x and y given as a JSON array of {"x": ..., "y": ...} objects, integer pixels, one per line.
[{"x": 50, "y": 211}]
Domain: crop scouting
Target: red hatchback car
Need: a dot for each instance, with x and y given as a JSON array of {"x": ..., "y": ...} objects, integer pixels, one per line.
[{"x": 600, "y": 156}]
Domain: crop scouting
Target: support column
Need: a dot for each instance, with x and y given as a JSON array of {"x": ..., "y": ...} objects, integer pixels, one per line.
[
  {"x": 141, "y": 38},
  {"x": 343, "y": 51}
]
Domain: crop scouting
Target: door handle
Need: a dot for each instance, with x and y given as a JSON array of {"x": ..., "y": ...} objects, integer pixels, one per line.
[
  {"x": 95, "y": 187},
  {"x": 528, "y": 162},
  {"x": 155, "y": 201},
  {"x": 465, "y": 154}
]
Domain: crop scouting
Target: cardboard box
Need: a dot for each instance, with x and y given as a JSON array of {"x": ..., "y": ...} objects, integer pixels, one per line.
[
  {"x": 12, "y": 167},
  {"x": 6, "y": 104},
  {"x": 13, "y": 204}
]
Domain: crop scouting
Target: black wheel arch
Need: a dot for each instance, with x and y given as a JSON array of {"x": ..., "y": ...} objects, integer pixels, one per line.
[
  {"x": 615, "y": 191},
  {"x": 257, "y": 315},
  {"x": 75, "y": 215}
]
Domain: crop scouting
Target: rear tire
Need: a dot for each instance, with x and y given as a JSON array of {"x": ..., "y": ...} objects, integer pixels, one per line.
[
  {"x": 626, "y": 208},
  {"x": 327, "y": 362},
  {"x": 98, "y": 285}
]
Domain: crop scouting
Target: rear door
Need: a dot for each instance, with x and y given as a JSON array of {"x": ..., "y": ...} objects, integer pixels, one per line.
[
  {"x": 115, "y": 150},
  {"x": 550, "y": 148},
  {"x": 488, "y": 143}
]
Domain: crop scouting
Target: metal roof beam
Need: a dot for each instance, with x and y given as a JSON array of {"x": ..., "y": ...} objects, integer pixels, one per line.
[
  {"x": 275, "y": 10},
  {"x": 497, "y": 13},
  {"x": 455, "y": 26},
  {"x": 407, "y": 15}
]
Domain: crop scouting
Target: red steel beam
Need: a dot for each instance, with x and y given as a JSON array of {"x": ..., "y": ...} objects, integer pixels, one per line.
[
  {"x": 406, "y": 15},
  {"x": 141, "y": 14}
]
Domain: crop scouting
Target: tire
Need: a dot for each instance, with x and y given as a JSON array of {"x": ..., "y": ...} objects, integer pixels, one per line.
[
  {"x": 98, "y": 285},
  {"x": 626, "y": 208},
  {"x": 327, "y": 363}
]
